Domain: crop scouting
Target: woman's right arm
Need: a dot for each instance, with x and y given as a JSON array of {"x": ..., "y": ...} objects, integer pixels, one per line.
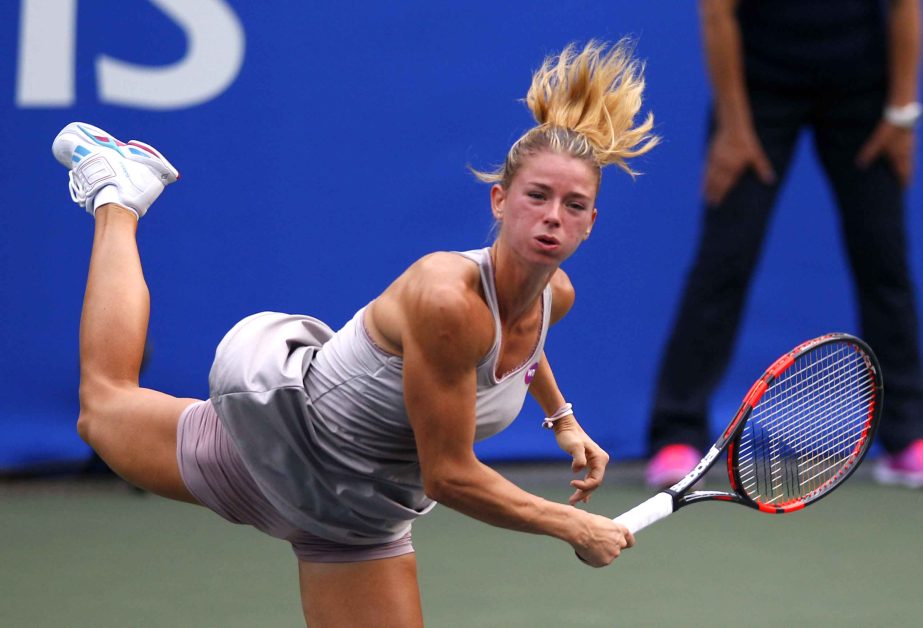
[{"x": 442, "y": 343}]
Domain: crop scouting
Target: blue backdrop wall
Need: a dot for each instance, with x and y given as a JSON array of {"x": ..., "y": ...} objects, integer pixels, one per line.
[{"x": 323, "y": 148}]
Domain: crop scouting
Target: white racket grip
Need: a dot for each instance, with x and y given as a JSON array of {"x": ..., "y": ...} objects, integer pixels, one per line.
[{"x": 646, "y": 513}]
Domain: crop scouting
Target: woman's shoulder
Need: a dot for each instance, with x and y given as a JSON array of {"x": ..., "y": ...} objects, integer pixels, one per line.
[
  {"x": 562, "y": 295},
  {"x": 444, "y": 278},
  {"x": 439, "y": 297},
  {"x": 440, "y": 291},
  {"x": 449, "y": 262}
]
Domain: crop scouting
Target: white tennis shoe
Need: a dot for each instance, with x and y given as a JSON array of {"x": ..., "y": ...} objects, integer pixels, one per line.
[{"x": 106, "y": 170}]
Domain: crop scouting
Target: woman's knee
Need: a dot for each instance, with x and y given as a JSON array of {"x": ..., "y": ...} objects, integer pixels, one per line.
[
  {"x": 134, "y": 431},
  {"x": 83, "y": 427},
  {"x": 99, "y": 401}
]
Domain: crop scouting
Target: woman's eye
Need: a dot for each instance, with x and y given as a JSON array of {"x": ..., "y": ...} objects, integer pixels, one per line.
[
  {"x": 577, "y": 206},
  {"x": 536, "y": 195}
]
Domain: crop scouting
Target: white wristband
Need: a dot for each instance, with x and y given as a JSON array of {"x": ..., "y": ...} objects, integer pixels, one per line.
[
  {"x": 565, "y": 410},
  {"x": 905, "y": 116}
]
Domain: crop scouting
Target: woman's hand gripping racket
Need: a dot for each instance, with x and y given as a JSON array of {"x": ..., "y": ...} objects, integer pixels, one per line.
[{"x": 802, "y": 430}]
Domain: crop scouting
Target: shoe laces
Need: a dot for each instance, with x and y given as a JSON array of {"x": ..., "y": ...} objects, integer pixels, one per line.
[{"x": 76, "y": 188}]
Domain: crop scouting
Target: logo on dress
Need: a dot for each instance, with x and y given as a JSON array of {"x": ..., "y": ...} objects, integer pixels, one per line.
[{"x": 530, "y": 373}]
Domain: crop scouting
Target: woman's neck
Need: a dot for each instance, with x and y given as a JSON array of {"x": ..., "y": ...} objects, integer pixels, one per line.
[{"x": 518, "y": 284}]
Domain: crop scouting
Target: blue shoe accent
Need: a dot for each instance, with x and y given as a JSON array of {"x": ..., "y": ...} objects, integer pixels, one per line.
[
  {"x": 79, "y": 153},
  {"x": 108, "y": 142}
]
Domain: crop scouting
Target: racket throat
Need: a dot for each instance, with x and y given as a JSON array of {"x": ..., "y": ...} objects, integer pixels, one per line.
[{"x": 696, "y": 474}]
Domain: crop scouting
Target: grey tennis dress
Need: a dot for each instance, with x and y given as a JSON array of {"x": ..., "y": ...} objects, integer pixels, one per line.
[{"x": 319, "y": 421}]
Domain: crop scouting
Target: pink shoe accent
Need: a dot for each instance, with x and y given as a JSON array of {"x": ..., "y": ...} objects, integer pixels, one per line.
[
  {"x": 903, "y": 469},
  {"x": 671, "y": 464}
]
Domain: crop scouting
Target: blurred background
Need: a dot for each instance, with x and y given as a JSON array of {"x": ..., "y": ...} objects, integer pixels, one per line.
[{"x": 323, "y": 147}]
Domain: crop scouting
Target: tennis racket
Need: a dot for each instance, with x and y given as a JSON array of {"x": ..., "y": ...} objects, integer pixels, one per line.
[{"x": 801, "y": 431}]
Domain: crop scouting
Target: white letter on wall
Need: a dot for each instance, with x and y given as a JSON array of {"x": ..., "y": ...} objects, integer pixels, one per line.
[
  {"x": 215, "y": 40},
  {"x": 47, "y": 53}
]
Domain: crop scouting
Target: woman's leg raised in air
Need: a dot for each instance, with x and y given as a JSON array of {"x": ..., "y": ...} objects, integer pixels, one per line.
[{"x": 133, "y": 429}]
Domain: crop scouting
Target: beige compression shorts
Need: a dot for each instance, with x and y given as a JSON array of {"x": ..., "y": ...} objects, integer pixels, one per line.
[{"x": 214, "y": 473}]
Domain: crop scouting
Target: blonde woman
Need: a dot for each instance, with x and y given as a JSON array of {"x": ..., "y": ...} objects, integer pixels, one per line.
[{"x": 336, "y": 441}]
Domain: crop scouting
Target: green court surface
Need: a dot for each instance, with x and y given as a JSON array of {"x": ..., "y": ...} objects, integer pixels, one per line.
[{"x": 95, "y": 553}]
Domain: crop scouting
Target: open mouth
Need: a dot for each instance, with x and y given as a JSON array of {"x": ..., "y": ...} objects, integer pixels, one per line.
[{"x": 547, "y": 240}]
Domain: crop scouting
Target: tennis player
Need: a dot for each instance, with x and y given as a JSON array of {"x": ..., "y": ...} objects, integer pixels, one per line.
[{"x": 337, "y": 441}]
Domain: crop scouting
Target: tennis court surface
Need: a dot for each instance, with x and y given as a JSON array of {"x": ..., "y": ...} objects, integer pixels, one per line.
[{"x": 93, "y": 552}]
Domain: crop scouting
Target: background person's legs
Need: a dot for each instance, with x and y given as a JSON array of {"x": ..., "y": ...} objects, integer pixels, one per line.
[
  {"x": 702, "y": 339},
  {"x": 872, "y": 211}
]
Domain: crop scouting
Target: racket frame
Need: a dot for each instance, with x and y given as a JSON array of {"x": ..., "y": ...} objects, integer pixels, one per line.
[
  {"x": 777, "y": 369},
  {"x": 658, "y": 507}
]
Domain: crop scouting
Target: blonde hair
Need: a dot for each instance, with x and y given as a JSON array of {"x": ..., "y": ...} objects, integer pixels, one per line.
[{"x": 585, "y": 105}]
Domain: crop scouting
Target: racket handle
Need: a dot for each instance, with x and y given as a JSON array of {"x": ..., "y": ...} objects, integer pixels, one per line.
[{"x": 646, "y": 513}]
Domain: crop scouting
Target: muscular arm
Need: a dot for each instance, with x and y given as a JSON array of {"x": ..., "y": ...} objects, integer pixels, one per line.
[
  {"x": 544, "y": 389},
  {"x": 585, "y": 453},
  {"x": 442, "y": 344}
]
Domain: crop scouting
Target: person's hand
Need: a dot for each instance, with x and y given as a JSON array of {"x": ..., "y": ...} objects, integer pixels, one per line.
[
  {"x": 585, "y": 454},
  {"x": 895, "y": 144},
  {"x": 731, "y": 153},
  {"x": 602, "y": 541}
]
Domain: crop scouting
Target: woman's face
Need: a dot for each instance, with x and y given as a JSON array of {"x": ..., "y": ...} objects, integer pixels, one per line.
[{"x": 548, "y": 208}]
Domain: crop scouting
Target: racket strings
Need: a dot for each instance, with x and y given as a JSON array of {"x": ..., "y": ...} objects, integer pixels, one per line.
[
  {"x": 842, "y": 427},
  {"x": 808, "y": 426},
  {"x": 791, "y": 429},
  {"x": 784, "y": 476},
  {"x": 848, "y": 434},
  {"x": 827, "y": 452},
  {"x": 810, "y": 474},
  {"x": 781, "y": 405},
  {"x": 830, "y": 404},
  {"x": 819, "y": 378}
]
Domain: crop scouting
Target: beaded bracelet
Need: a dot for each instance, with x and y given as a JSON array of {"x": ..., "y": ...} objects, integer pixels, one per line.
[{"x": 565, "y": 410}]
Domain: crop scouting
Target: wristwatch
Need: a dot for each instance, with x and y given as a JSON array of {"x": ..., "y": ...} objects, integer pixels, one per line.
[{"x": 905, "y": 116}]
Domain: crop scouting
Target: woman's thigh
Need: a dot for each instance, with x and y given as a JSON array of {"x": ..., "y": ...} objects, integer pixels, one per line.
[
  {"x": 134, "y": 431},
  {"x": 374, "y": 593}
]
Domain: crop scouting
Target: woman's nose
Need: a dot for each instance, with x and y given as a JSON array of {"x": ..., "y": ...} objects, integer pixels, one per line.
[{"x": 553, "y": 213}]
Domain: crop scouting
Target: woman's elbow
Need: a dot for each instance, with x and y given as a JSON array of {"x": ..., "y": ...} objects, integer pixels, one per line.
[
  {"x": 445, "y": 487},
  {"x": 437, "y": 488}
]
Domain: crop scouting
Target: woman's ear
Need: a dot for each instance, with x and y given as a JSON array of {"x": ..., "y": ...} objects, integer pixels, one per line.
[
  {"x": 497, "y": 196},
  {"x": 592, "y": 222}
]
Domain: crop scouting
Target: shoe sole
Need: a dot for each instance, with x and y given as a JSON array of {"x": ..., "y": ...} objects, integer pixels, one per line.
[
  {"x": 137, "y": 151},
  {"x": 173, "y": 172}
]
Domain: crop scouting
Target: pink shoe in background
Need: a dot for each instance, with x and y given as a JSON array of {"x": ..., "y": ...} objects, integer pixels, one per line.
[
  {"x": 903, "y": 469},
  {"x": 670, "y": 465}
]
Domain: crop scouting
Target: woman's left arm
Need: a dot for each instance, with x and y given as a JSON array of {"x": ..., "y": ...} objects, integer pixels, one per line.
[{"x": 584, "y": 451}]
